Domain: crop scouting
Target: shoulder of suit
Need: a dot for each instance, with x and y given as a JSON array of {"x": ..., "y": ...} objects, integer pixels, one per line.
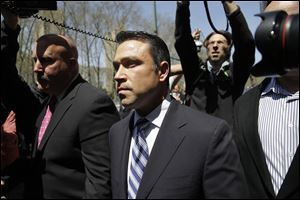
[
  {"x": 195, "y": 116},
  {"x": 125, "y": 122},
  {"x": 89, "y": 90},
  {"x": 252, "y": 94}
]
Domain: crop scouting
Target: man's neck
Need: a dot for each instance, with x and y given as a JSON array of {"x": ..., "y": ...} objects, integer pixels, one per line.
[
  {"x": 61, "y": 93},
  {"x": 156, "y": 101},
  {"x": 216, "y": 66},
  {"x": 290, "y": 83}
]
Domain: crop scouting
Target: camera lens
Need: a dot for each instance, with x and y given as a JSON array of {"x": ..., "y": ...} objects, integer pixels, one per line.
[{"x": 277, "y": 39}]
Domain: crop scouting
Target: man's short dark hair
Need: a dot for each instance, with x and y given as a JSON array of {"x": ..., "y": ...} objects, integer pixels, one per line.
[{"x": 158, "y": 47}]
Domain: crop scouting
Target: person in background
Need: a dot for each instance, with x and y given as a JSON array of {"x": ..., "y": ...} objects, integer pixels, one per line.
[
  {"x": 15, "y": 154},
  {"x": 174, "y": 84},
  {"x": 176, "y": 92},
  {"x": 266, "y": 130},
  {"x": 164, "y": 149},
  {"x": 9, "y": 151},
  {"x": 70, "y": 157},
  {"x": 214, "y": 84},
  {"x": 9, "y": 141}
]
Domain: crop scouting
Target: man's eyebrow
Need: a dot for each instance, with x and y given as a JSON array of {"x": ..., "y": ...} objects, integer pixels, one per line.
[{"x": 131, "y": 59}]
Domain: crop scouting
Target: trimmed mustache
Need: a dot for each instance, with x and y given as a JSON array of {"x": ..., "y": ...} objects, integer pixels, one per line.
[{"x": 42, "y": 77}]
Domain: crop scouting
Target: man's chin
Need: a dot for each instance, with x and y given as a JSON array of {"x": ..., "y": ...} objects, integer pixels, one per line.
[
  {"x": 215, "y": 58},
  {"x": 42, "y": 88},
  {"x": 127, "y": 104}
]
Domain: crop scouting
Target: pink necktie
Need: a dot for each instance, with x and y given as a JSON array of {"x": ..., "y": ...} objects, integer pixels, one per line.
[{"x": 47, "y": 118}]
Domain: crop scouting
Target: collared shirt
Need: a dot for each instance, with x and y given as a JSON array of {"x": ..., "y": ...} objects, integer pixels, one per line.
[
  {"x": 278, "y": 127},
  {"x": 210, "y": 69},
  {"x": 155, "y": 118}
]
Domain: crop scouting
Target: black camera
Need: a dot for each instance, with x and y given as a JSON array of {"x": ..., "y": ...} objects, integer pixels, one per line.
[
  {"x": 26, "y": 9},
  {"x": 277, "y": 39}
]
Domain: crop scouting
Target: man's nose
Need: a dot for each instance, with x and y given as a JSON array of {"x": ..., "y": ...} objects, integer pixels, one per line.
[
  {"x": 37, "y": 67},
  {"x": 120, "y": 74}
]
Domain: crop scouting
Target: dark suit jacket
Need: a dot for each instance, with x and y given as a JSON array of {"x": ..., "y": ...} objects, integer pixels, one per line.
[
  {"x": 251, "y": 152},
  {"x": 72, "y": 160},
  {"x": 193, "y": 157}
]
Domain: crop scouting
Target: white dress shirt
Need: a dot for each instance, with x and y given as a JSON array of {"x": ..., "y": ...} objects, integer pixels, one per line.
[
  {"x": 155, "y": 118},
  {"x": 278, "y": 127}
]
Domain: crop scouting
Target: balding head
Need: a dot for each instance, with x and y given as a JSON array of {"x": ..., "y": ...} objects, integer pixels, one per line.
[
  {"x": 60, "y": 40},
  {"x": 72, "y": 46},
  {"x": 56, "y": 64}
]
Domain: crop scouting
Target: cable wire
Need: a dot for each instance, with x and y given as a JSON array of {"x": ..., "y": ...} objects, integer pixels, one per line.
[
  {"x": 209, "y": 18},
  {"x": 45, "y": 19}
]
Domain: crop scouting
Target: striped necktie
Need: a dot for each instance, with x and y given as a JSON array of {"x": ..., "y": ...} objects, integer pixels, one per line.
[{"x": 139, "y": 158}]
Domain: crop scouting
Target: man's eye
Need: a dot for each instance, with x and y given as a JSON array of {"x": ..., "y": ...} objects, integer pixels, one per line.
[
  {"x": 131, "y": 65},
  {"x": 128, "y": 64},
  {"x": 116, "y": 66},
  {"x": 46, "y": 61}
]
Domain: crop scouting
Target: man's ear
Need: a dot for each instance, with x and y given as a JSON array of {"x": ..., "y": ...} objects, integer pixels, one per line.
[{"x": 164, "y": 70}]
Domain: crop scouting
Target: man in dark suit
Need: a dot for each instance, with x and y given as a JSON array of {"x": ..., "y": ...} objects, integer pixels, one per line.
[
  {"x": 71, "y": 152},
  {"x": 176, "y": 152},
  {"x": 267, "y": 130}
]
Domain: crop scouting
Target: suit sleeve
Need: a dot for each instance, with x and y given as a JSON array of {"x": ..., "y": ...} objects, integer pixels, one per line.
[
  {"x": 244, "y": 53},
  {"x": 16, "y": 94},
  {"x": 186, "y": 47},
  {"x": 94, "y": 127},
  {"x": 223, "y": 173}
]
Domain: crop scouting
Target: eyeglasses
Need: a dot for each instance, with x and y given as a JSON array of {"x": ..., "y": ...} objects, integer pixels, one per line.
[{"x": 218, "y": 42}]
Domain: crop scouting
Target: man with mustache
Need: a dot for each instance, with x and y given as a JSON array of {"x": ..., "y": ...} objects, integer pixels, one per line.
[{"x": 70, "y": 123}]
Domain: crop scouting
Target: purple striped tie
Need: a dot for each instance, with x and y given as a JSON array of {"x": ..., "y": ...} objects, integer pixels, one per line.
[{"x": 139, "y": 158}]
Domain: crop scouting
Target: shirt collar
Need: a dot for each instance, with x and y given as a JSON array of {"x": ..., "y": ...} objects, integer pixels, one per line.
[
  {"x": 275, "y": 88},
  {"x": 209, "y": 66},
  {"x": 157, "y": 116}
]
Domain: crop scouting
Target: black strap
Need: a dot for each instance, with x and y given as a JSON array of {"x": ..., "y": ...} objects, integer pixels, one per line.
[{"x": 210, "y": 21}]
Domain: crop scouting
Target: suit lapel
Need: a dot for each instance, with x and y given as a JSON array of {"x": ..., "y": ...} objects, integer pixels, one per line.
[
  {"x": 125, "y": 141},
  {"x": 60, "y": 110},
  {"x": 167, "y": 142},
  {"x": 253, "y": 141},
  {"x": 290, "y": 185}
]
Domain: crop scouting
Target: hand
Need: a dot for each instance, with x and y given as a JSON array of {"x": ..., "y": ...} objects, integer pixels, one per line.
[
  {"x": 11, "y": 20},
  {"x": 229, "y": 6},
  {"x": 183, "y": 2},
  {"x": 196, "y": 34},
  {"x": 9, "y": 137},
  {"x": 9, "y": 141},
  {"x": 9, "y": 126}
]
